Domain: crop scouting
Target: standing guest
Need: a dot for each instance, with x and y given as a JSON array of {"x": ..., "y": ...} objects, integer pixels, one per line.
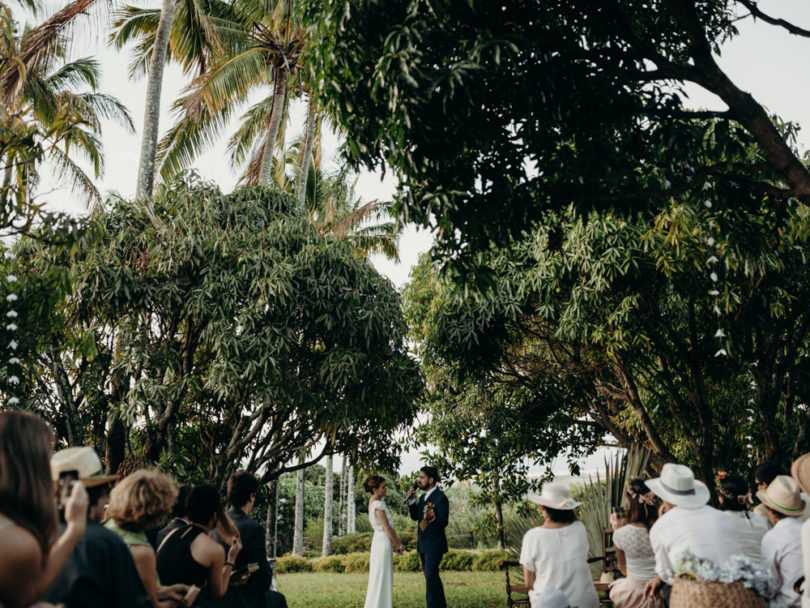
[
  {"x": 782, "y": 545},
  {"x": 634, "y": 553},
  {"x": 432, "y": 512},
  {"x": 100, "y": 571},
  {"x": 256, "y": 591},
  {"x": 138, "y": 502},
  {"x": 33, "y": 552},
  {"x": 735, "y": 500},
  {"x": 800, "y": 471},
  {"x": 178, "y": 513},
  {"x": 686, "y": 523},
  {"x": 191, "y": 557},
  {"x": 555, "y": 555}
]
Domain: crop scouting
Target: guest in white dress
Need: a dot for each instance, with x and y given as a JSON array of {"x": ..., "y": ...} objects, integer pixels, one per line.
[
  {"x": 381, "y": 561},
  {"x": 800, "y": 471},
  {"x": 735, "y": 501},
  {"x": 555, "y": 555},
  {"x": 686, "y": 523},
  {"x": 634, "y": 553},
  {"x": 782, "y": 545}
]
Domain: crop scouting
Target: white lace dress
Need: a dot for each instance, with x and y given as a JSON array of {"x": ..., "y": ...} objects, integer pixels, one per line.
[
  {"x": 381, "y": 561},
  {"x": 639, "y": 557}
]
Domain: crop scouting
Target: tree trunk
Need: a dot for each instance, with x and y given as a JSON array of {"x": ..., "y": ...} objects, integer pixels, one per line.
[
  {"x": 116, "y": 445},
  {"x": 279, "y": 93},
  {"x": 342, "y": 503},
  {"x": 298, "y": 534},
  {"x": 272, "y": 525},
  {"x": 327, "y": 508},
  {"x": 351, "y": 518},
  {"x": 499, "y": 515},
  {"x": 146, "y": 168},
  {"x": 305, "y": 153}
]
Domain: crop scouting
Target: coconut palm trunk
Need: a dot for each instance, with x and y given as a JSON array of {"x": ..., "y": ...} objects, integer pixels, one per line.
[
  {"x": 351, "y": 516},
  {"x": 146, "y": 168},
  {"x": 342, "y": 504},
  {"x": 306, "y": 152},
  {"x": 271, "y": 541},
  {"x": 298, "y": 534},
  {"x": 279, "y": 94},
  {"x": 327, "y": 508}
]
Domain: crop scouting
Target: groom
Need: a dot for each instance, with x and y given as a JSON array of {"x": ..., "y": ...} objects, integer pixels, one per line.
[{"x": 432, "y": 512}]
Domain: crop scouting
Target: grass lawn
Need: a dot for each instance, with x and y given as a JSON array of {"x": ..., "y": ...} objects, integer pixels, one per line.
[{"x": 333, "y": 590}]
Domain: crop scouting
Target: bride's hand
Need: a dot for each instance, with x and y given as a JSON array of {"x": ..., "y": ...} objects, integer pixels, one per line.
[{"x": 400, "y": 548}]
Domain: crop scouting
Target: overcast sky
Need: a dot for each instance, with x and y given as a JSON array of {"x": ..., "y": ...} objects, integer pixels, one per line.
[{"x": 763, "y": 60}]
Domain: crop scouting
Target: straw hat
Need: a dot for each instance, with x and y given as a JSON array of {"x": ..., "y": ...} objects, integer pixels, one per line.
[
  {"x": 677, "y": 485},
  {"x": 800, "y": 471},
  {"x": 556, "y": 496},
  {"x": 783, "y": 495},
  {"x": 84, "y": 461}
]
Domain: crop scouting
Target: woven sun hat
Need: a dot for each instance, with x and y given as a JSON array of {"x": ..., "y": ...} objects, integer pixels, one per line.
[
  {"x": 84, "y": 461},
  {"x": 677, "y": 485},
  {"x": 556, "y": 496},
  {"x": 551, "y": 598},
  {"x": 783, "y": 495},
  {"x": 800, "y": 471}
]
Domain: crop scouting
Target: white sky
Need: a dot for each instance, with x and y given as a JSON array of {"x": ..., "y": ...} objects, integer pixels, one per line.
[{"x": 763, "y": 60}]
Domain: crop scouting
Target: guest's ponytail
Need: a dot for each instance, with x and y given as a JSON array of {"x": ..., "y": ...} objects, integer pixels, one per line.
[{"x": 372, "y": 482}]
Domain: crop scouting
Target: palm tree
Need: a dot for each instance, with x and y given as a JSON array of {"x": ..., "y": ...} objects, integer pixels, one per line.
[
  {"x": 48, "y": 114},
  {"x": 268, "y": 46}
]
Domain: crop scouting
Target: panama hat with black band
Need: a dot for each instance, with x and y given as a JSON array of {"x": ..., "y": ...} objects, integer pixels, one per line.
[{"x": 677, "y": 485}]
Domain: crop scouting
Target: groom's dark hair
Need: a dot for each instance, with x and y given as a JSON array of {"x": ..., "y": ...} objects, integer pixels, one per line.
[{"x": 431, "y": 472}]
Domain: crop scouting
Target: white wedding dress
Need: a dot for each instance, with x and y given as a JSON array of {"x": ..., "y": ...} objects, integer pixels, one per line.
[{"x": 381, "y": 561}]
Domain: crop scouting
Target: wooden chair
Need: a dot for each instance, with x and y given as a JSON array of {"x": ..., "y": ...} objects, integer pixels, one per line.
[
  {"x": 510, "y": 588},
  {"x": 609, "y": 565}
]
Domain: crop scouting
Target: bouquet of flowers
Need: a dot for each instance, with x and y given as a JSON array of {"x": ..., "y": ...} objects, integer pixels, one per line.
[
  {"x": 736, "y": 584},
  {"x": 429, "y": 510}
]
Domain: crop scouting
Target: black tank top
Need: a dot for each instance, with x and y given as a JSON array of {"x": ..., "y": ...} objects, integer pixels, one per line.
[{"x": 175, "y": 563}]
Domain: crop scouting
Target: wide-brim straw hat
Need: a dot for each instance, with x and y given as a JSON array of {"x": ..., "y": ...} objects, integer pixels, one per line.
[
  {"x": 800, "y": 471},
  {"x": 556, "y": 496},
  {"x": 783, "y": 495},
  {"x": 677, "y": 485},
  {"x": 84, "y": 461}
]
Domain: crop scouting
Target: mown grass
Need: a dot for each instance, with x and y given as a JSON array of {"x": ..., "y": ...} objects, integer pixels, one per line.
[{"x": 333, "y": 590}]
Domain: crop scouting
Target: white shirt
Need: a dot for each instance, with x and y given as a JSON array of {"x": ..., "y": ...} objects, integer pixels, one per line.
[
  {"x": 750, "y": 531},
  {"x": 559, "y": 559},
  {"x": 806, "y": 554},
  {"x": 782, "y": 553},
  {"x": 705, "y": 532}
]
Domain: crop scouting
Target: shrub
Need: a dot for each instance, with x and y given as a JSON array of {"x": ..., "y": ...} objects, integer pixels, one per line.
[
  {"x": 407, "y": 562},
  {"x": 408, "y": 539},
  {"x": 352, "y": 543},
  {"x": 292, "y": 563},
  {"x": 333, "y": 563},
  {"x": 489, "y": 560},
  {"x": 456, "y": 559},
  {"x": 357, "y": 562}
]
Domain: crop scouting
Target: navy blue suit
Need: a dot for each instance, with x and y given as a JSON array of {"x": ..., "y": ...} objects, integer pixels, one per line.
[{"x": 431, "y": 544}]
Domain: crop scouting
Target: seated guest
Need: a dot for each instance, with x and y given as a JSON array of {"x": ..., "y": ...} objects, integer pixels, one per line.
[
  {"x": 735, "y": 500},
  {"x": 634, "y": 553},
  {"x": 242, "y": 488},
  {"x": 551, "y": 598},
  {"x": 764, "y": 474},
  {"x": 782, "y": 545},
  {"x": 178, "y": 514},
  {"x": 687, "y": 523},
  {"x": 555, "y": 555},
  {"x": 800, "y": 471},
  {"x": 138, "y": 502},
  {"x": 33, "y": 552},
  {"x": 100, "y": 571},
  {"x": 190, "y": 556}
]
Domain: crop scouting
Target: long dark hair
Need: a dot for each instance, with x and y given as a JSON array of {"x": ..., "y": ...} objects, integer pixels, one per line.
[
  {"x": 27, "y": 492},
  {"x": 372, "y": 482},
  {"x": 733, "y": 493},
  {"x": 641, "y": 506}
]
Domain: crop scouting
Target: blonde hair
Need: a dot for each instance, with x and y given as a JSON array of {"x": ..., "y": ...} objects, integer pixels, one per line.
[{"x": 141, "y": 500}]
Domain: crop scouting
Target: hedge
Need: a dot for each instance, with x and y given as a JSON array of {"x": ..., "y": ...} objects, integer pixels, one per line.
[{"x": 455, "y": 559}]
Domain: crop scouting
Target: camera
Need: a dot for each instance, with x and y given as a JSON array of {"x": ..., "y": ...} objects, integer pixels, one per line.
[{"x": 64, "y": 486}]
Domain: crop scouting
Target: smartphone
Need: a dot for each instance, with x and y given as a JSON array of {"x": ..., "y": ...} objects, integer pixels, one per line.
[
  {"x": 65, "y": 485},
  {"x": 191, "y": 596},
  {"x": 243, "y": 574}
]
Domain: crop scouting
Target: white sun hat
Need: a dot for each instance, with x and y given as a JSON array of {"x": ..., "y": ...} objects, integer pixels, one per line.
[
  {"x": 84, "y": 461},
  {"x": 556, "y": 496},
  {"x": 677, "y": 485}
]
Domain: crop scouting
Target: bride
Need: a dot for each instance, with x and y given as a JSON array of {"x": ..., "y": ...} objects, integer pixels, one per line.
[{"x": 381, "y": 561}]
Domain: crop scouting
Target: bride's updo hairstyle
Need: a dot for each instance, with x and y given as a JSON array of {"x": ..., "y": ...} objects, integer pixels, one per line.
[{"x": 372, "y": 482}]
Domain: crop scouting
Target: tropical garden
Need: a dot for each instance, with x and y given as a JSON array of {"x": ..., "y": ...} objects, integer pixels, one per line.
[{"x": 612, "y": 264}]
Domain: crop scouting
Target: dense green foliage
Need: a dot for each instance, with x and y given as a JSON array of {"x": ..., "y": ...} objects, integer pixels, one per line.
[
  {"x": 454, "y": 560},
  {"x": 231, "y": 332},
  {"x": 492, "y": 112}
]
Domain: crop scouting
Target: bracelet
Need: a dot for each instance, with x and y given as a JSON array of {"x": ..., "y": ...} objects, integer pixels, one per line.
[{"x": 231, "y": 564}]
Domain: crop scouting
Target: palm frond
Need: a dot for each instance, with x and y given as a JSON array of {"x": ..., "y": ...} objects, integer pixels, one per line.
[
  {"x": 80, "y": 72},
  {"x": 80, "y": 182},
  {"x": 252, "y": 124},
  {"x": 109, "y": 108}
]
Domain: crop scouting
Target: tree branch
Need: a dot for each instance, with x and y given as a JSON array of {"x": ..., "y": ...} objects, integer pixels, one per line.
[{"x": 756, "y": 13}]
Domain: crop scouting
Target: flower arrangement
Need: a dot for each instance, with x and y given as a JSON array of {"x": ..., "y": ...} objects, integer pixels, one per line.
[
  {"x": 429, "y": 508},
  {"x": 738, "y": 568}
]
